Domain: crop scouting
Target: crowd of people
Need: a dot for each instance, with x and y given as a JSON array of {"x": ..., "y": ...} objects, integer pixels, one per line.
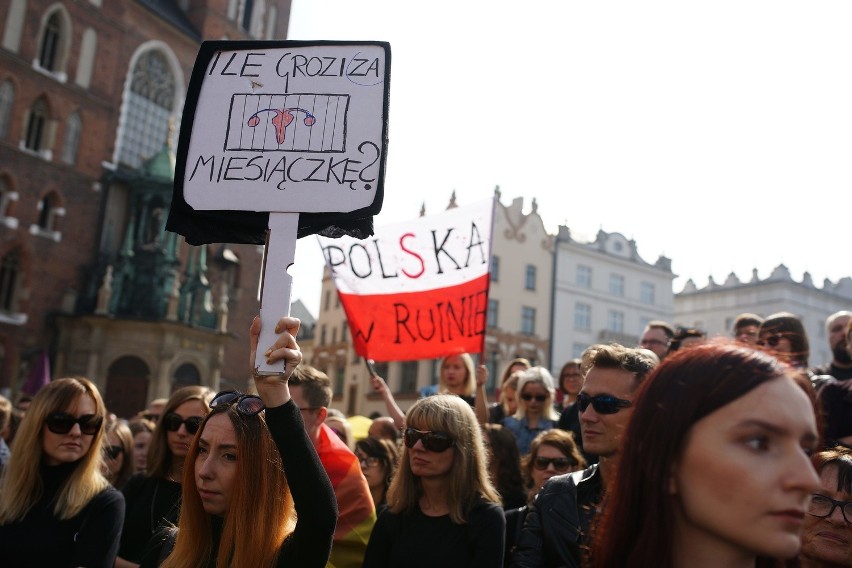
[{"x": 681, "y": 451}]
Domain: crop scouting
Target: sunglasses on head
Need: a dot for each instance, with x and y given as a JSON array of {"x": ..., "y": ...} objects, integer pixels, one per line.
[
  {"x": 432, "y": 441},
  {"x": 537, "y": 397},
  {"x": 602, "y": 403},
  {"x": 559, "y": 464},
  {"x": 246, "y": 404},
  {"x": 172, "y": 422},
  {"x": 62, "y": 423},
  {"x": 112, "y": 451}
]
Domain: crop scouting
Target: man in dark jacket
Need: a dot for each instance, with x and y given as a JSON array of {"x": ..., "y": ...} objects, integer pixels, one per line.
[{"x": 559, "y": 518}]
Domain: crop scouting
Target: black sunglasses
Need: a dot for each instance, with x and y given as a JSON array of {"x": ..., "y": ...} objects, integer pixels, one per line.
[
  {"x": 246, "y": 404},
  {"x": 172, "y": 422},
  {"x": 559, "y": 464},
  {"x": 771, "y": 340},
  {"x": 822, "y": 506},
  {"x": 537, "y": 397},
  {"x": 432, "y": 441},
  {"x": 112, "y": 452},
  {"x": 62, "y": 422},
  {"x": 602, "y": 403}
]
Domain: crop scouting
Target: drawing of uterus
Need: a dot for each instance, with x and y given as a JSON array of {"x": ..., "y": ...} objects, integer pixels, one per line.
[{"x": 281, "y": 120}]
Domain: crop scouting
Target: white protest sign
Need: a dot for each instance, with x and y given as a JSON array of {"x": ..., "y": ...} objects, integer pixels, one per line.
[{"x": 286, "y": 128}]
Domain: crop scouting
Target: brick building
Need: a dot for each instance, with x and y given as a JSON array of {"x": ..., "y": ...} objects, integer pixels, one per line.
[{"x": 91, "y": 94}]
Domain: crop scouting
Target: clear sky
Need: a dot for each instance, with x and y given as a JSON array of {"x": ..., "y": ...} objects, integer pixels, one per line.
[{"x": 718, "y": 133}]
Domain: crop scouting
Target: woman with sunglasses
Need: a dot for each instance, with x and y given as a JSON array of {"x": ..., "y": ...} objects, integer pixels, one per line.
[
  {"x": 153, "y": 499},
  {"x": 255, "y": 494},
  {"x": 379, "y": 460},
  {"x": 714, "y": 468},
  {"x": 56, "y": 507},
  {"x": 827, "y": 531},
  {"x": 118, "y": 453},
  {"x": 535, "y": 412},
  {"x": 442, "y": 509},
  {"x": 551, "y": 453},
  {"x": 784, "y": 335}
]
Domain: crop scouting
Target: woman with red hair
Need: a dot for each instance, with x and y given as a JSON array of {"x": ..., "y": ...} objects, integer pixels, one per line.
[
  {"x": 715, "y": 468},
  {"x": 250, "y": 469}
]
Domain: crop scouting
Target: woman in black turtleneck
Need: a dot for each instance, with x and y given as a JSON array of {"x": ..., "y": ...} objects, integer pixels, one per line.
[{"x": 56, "y": 508}]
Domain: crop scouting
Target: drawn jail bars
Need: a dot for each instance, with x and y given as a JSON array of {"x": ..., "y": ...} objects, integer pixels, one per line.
[{"x": 296, "y": 122}]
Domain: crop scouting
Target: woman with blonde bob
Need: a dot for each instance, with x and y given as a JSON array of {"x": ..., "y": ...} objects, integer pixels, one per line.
[
  {"x": 442, "y": 490},
  {"x": 535, "y": 412},
  {"x": 56, "y": 507},
  {"x": 250, "y": 469}
]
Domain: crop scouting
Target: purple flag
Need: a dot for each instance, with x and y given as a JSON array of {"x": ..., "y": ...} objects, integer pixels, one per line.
[{"x": 39, "y": 375}]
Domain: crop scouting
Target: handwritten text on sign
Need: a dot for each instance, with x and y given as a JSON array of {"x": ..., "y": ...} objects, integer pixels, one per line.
[
  {"x": 296, "y": 129},
  {"x": 417, "y": 289}
]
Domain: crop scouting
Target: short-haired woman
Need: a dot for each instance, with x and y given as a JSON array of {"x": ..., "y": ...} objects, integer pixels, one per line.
[
  {"x": 154, "y": 499},
  {"x": 56, "y": 507},
  {"x": 535, "y": 412},
  {"x": 442, "y": 509},
  {"x": 714, "y": 468},
  {"x": 255, "y": 494}
]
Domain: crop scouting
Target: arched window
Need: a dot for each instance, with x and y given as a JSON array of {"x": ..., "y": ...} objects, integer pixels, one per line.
[
  {"x": 49, "y": 212},
  {"x": 10, "y": 278},
  {"x": 35, "y": 138},
  {"x": 73, "y": 126},
  {"x": 186, "y": 375},
  {"x": 48, "y": 55},
  {"x": 150, "y": 103},
  {"x": 7, "y": 101}
]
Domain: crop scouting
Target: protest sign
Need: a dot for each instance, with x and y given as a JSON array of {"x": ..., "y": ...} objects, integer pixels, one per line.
[
  {"x": 417, "y": 289},
  {"x": 288, "y": 136}
]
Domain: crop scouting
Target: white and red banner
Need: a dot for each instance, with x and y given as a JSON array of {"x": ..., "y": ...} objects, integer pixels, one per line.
[{"x": 418, "y": 289}]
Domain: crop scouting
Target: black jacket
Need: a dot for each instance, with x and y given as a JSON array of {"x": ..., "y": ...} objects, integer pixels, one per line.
[{"x": 557, "y": 520}]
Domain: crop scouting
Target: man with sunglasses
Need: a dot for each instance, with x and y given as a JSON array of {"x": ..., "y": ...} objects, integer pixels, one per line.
[
  {"x": 310, "y": 389},
  {"x": 559, "y": 519}
]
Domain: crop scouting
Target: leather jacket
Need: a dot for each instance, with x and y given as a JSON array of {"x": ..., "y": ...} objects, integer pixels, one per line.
[{"x": 557, "y": 520}]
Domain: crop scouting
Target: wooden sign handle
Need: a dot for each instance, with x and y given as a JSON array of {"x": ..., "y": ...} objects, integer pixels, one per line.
[{"x": 276, "y": 284}]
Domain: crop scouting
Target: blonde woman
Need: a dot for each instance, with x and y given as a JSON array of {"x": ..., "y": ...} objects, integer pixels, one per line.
[
  {"x": 535, "y": 412},
  {"x": 458, "y": 375},
  {"x": 251, "y": 468},
  {"x": 118, "y": 453},
  {"x": 442, "y": 508},
  {"x": 56, "y": 507}
]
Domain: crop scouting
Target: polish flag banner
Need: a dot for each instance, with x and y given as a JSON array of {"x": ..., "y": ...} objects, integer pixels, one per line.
[{"x": 418, "y": 289}]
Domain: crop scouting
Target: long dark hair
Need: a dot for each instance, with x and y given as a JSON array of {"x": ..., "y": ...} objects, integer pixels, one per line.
[
  {"x": 638, "y": 516},
  {"x": 386, "y": 452}
]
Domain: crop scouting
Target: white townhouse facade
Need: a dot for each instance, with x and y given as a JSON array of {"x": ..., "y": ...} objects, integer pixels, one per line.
[{"x": 604, "y": 292}]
